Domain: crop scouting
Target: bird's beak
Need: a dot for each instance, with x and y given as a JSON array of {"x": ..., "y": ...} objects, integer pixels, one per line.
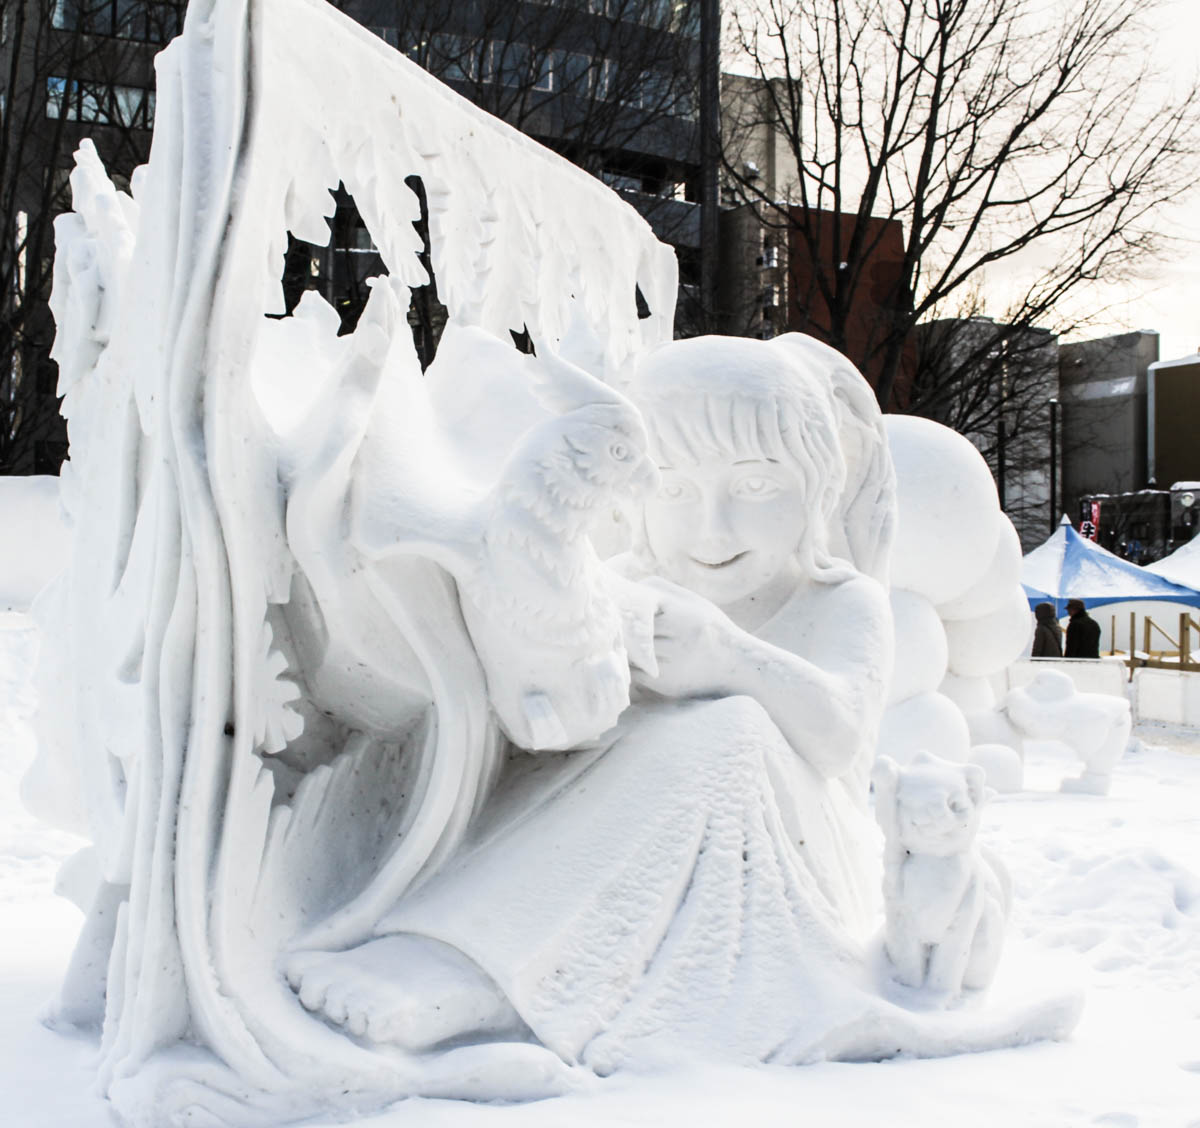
[{"x": 645, "y": 478}]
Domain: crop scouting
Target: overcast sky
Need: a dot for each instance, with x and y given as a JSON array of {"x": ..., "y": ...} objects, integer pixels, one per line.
[
  {"x": 1170, "y": 301},
  {"x": 1167, "y": 298}
]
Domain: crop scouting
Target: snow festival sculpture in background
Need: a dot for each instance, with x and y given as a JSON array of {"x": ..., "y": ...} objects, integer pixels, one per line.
[
  {"x": 394, "y": 785},
  {"x": 1095, "y": 726}
]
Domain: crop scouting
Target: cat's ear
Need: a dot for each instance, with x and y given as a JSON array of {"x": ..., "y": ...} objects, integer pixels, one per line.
[{"x": 976, "y": 779}]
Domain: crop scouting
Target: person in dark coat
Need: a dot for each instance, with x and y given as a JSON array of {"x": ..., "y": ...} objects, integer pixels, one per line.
[
  {"x": 1047, "y": 638},
  {"x": 1083, "y": 632}
]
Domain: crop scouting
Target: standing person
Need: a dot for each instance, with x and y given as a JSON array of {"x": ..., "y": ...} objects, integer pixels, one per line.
[
  {"x": 1083, "y": 632},
  {"x": 1047, "y": 638}
]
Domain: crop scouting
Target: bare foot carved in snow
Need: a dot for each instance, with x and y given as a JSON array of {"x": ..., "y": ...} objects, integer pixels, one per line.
[{"x": 404, "y": 990}]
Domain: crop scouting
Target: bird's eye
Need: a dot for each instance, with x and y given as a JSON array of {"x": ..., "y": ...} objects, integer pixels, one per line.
[{"x": 619, "y": 451}]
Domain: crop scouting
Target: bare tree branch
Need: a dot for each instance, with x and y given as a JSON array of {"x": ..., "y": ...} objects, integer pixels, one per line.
[{"x": 993, "y": 136}]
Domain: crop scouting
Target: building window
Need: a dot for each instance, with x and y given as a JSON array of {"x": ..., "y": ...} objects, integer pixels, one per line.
[
  {"x": 151, "y": 21},
  {"x": 686, "y": 18},
  {"x": 130, "y": 107},
  {"x": 55, "y": 94},
  {"x": 454, "y": 58},
  {"x": 543, "y": 73},
  {"x": 389, "y": 35},
  {"x": 518, "y": 65},
  {"x": 573, "y": 72},
  {"x": 652, "y": 13},
  {"x": 604, "y": 79},
  {"x": 621, "y": 181}
]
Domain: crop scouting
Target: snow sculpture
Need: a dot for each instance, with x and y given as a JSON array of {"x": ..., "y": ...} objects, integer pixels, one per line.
[
  {"x": 960, "y": 612},
  {"x": 947, "y": 899},
  {"x": 1096, "y": 726},
  {"x": 394, "y": 786}
]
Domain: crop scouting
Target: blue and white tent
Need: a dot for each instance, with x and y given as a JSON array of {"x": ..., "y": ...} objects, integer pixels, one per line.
[{"x": 1067, "y": 566}]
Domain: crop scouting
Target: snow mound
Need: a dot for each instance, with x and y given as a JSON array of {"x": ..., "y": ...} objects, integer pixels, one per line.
[{"x": 34, "y": 546}]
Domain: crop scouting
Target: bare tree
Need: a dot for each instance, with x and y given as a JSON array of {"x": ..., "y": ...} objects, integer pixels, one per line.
[
  {"x": 992, "y": 133},
  {"x": 71, "y": 68}
]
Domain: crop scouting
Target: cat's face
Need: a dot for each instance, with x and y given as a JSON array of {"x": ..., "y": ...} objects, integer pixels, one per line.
[{"x": 937, "y": 807}]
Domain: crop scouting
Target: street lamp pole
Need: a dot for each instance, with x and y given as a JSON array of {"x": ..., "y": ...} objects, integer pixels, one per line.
[
  {"x": 1053, "y": 463},
  {"x": 710, "y": 157}
]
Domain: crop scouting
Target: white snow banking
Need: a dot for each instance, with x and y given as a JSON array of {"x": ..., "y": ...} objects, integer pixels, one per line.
[{"x": 33, "y": 539}]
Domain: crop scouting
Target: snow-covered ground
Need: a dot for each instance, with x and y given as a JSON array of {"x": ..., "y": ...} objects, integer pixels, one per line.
[{"x": 1107, "y": 892}]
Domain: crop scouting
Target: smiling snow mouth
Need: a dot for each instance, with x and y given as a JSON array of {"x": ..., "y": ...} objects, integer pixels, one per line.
[{"x": 719, "y": 563}]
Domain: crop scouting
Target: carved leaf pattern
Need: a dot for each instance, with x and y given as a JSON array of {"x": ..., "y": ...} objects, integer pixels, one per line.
[{"x": 276, "y": 722}]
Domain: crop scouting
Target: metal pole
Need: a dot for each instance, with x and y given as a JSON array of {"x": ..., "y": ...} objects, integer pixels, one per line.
[
  {"x": 710, "y": 158},
  {"x": 1000, "y": 466},
  {"x": 1053, "y": 463}
]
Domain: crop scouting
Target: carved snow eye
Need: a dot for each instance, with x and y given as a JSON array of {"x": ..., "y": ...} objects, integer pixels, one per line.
[
  {"x": 756, "y": 487},
  {"x": 676, "y": 490},
  {"x": 620, "y": 452}
]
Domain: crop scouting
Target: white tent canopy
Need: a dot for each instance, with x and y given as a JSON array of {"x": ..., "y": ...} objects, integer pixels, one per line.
[
  {"x": 1068, "y": 566},
  {"x": 1181, "y": 567}
]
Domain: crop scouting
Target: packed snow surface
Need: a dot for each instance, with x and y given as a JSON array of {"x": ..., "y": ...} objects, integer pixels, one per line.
[
  {"x": 35, "y": 540},
  {"x": 1106, "y": 892}
]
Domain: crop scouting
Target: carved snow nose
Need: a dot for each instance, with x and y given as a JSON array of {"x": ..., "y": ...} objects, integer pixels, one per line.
[{"x": 714, "y": 537}]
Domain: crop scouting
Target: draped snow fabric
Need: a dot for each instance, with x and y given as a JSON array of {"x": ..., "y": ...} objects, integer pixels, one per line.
[{"x": 690, "y": 890}]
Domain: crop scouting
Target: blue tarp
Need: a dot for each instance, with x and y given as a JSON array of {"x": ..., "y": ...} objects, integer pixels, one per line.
[{"x": 1068, "y": 566}]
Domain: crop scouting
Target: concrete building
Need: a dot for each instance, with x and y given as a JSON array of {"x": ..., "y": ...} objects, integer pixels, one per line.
[
  {"x": 1159, "y": 419},
  {"x": 868, "y": 316},
  {"x": 997, "y": 385},
  {"x": 753, "y": 293},
  {"x": 1173, "y": 421},
  {"x": 1103, "y": 392}
]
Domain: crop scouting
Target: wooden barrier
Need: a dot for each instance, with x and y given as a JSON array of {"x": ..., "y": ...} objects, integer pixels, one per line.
[{"x": 1176, "y": 656}]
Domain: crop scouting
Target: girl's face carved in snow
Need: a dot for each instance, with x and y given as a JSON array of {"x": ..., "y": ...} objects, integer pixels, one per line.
[
  {"x": 751, "y": 466},
  {"x": 726, "y": 527}
]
